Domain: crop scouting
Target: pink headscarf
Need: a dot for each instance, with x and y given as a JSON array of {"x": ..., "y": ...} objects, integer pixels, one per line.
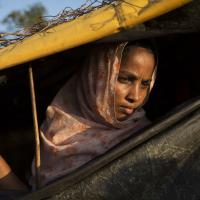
[{"x": 80, "y": 123}]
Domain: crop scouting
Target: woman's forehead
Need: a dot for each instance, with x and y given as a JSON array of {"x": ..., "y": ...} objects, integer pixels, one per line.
[{"x": 140, "y": 62}]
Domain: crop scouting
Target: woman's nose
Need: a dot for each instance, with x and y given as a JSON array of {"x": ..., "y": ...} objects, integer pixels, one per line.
[{"x": 133, "y": 93}]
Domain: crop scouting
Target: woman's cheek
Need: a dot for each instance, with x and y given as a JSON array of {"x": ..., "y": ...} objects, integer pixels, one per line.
[
  {"x": 120, "y": 91},
  {"x": 143, "y": 95}
]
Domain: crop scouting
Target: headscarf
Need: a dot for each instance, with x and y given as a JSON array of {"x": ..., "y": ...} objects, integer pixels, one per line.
[{"x": 80, "y": 123}]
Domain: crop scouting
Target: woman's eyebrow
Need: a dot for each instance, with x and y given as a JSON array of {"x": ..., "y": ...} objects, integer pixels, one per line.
[
  {"x": 133, "y": 75},
  {"x": 129, "y": 74},
  {"x": 147, "y": 80}
]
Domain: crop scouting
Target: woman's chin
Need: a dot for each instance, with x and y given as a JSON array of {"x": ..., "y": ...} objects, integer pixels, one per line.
[{"x": 122, "y": 117}]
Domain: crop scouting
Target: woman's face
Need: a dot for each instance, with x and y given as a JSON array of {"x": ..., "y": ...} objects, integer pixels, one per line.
[{"x": 133, "y": 82}]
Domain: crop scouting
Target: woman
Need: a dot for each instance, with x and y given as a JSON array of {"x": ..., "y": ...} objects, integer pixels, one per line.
[
  {"x": 99, "y": 107},
  {"x": 95, "y": 110}
]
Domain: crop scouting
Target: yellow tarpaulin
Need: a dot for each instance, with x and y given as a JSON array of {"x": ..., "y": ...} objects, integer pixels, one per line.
[{"x": 87, "y": 28}]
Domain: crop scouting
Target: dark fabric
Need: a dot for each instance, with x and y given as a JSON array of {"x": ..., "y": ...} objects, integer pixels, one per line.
[{"x": 11, "y": 194}]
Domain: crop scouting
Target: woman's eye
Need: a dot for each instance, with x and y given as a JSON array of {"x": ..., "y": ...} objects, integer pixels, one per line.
[
  {"x": 145, "y": 84},
  {"x": 122, "y": 79}
]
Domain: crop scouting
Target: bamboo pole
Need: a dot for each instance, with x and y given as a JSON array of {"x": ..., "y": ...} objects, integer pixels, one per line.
[{"x": 36, "y": 128}]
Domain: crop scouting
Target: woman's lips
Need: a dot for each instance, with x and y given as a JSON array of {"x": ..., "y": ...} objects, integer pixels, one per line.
[{"x": 126, "y": 110}]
